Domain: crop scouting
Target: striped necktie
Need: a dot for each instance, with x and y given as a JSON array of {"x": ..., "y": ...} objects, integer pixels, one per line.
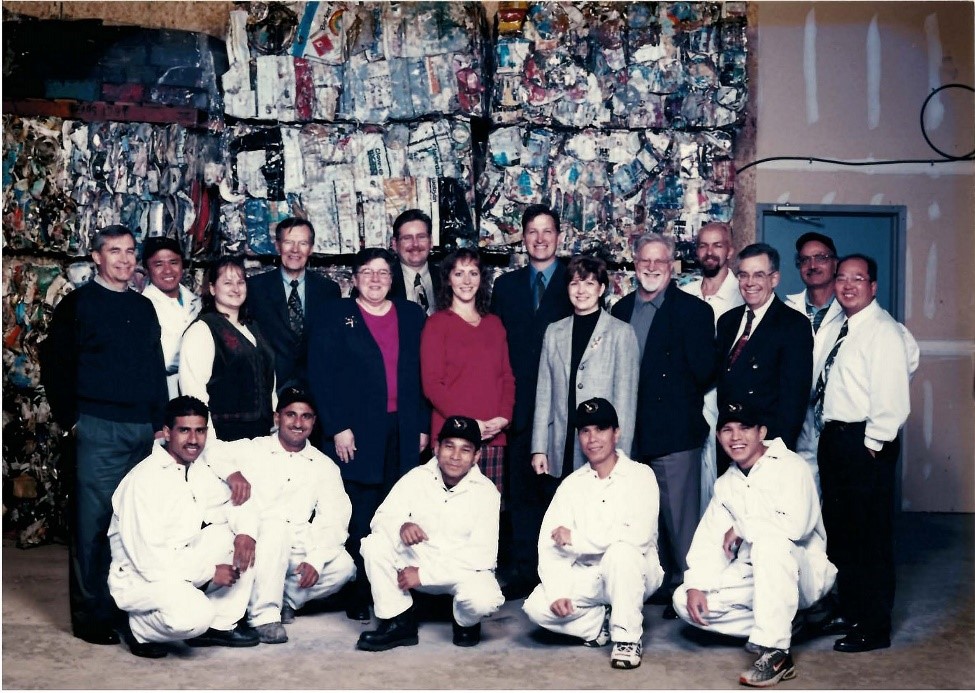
[
  {"x": 820, "y": 394},
  {"x": 740, "y": 344}
]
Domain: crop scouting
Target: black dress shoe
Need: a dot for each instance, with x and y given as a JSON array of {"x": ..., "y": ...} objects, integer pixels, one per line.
[
  {"x": 467, "y": 636},
  {"x": 834, "y": 625},
  {"x": 858, "y": 641},
  {"x": 358, "y": 612},
  {"x": 670, "y": 613},
  {"x": 149, "y": 650},
  {"x": 392, "y": 632},
  {"x": 97, "y": 635},
  {"x": 224, "y": 638}
]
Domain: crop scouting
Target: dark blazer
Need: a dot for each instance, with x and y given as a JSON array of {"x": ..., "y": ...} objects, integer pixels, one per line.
[
  {"x": 347, "y": 380},
  {"x": 773, "y": 374},
  {"x": 677, "y": 369},
  {"x": 398, "y": 290},
  {"x": 267, "y": 300},
  {"x": 512, "y": 300}
]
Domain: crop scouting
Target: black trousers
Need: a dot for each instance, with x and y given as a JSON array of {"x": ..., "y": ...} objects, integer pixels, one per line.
[
  {"x": 528, "y": 497},
  {"x": 858, "y": 510}
]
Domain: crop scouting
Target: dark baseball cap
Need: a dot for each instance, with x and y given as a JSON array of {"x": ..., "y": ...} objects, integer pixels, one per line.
[
  {"x": 739, "y": 413},
  {"x": 463, "y": 427},
  {"x": 290, "y": 395},
  {"x": 596, "y": 412},
  {"x": 154, "y": 244},
  {"x": 813, "y": 236}
]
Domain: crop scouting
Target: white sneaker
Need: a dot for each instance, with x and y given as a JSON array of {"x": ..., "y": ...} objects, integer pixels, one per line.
[{"x": 626, "y": 655}]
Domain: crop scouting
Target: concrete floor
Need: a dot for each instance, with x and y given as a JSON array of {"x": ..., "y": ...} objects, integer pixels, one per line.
[{"x": 934, "y": 641}]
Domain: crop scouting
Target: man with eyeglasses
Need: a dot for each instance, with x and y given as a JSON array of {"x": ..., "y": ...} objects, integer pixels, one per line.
[
  {"x": 414, "y": 277},
  {"x": 764, "y": 350},
  {"x": 862, "y": 401}
]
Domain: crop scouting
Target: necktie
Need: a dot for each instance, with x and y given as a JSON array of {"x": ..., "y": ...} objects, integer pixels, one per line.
[
  {"x": 421, "y": 295},
  {"x": 740, "y": 344},
  {"x": 821, "y": 381},
  {"x": 295, "y": 315},
  {"x": 817, "y": 315},
  {"x": 539, "y": 289}
]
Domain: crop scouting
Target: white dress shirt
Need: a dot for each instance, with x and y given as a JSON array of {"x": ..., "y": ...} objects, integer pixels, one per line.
[
  {"x": 759, "y": 314},
  {"x": 174, "y": 315},
  {"x": 870, "y": 377},
  {"x": 728, "y": 295},
  {"x": 623, "y": 507}
]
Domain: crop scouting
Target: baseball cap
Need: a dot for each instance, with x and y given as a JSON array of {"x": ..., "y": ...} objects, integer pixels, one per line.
[
  {"x": 596, "y": 412},
  {"x": 738, "y": 413},
  {"x": 461, "y": 427},
  {"x": 813, "y": 236},
  {"x": 290, "y": 395},
  {"x": 154, "y": 244}
]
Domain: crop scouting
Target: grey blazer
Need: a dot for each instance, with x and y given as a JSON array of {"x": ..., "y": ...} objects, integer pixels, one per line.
[{"x": 610, "y": 368}]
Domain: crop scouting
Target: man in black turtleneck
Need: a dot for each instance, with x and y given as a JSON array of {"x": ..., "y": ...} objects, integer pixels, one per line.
[{"x": 105, "y": 378}]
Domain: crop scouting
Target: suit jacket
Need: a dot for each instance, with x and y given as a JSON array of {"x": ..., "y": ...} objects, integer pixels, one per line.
[
  {"x": 398, "y": 289},
  {"x": 512, "y": 300},
  {"x": 609, "y": 368},
  {"x": 267, "y": 299},
  {"x": 677, "y": 369},
  {"x": 347, "y": 380},
  {"x": 773, "y": 373}
]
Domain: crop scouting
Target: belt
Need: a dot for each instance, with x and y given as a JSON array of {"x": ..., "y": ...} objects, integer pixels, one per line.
[{"x": 843, "y": 425}]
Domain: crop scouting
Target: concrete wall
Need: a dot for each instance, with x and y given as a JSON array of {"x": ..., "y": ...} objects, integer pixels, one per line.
[{"x": 847, "y": 80}]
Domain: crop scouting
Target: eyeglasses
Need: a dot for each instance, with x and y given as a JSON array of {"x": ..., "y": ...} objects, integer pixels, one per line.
[
  {"x": 656, "y": 262},
  {"x": 755, "y": 277},
  {"x": 804, "y": 260},
  {"x": 379, "y": 274},
  {"x": 854, "y": 279}
]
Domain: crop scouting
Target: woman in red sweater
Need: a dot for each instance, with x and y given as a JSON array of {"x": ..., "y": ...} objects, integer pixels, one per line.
[{"x": 464, "y": 359}]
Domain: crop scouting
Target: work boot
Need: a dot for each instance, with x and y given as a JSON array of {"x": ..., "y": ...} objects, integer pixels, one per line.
[
  {"x": 272, "y": 633},
  {"x": 392, "y": 632},
  {"x": 467, "y": 636}
]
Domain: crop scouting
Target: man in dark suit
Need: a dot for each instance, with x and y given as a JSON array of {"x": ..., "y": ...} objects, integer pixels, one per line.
[
  {"x": 527, "y": 300},
  {"x": 414, "y": 277},
  {"x": 677, "y": 362},
  {"x": 765, "y": 350},
  {"x": 281, "y": 301}
]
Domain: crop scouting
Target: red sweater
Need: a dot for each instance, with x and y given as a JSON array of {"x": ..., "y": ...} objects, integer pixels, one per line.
[{"x": 465, "y": 370}]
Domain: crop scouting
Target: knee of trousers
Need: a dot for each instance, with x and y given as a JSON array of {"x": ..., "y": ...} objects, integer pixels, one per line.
[
  {"x": 773, "y": 549},
  {"x": 536, "y": 607},
  {"x": 621, "y": 557},
  {"x": 480, "y": 595},
  {"x": 679, "y": 601},
  {"x": 188, "y": 617}
]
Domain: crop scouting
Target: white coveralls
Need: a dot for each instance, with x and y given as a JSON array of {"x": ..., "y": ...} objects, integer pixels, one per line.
[
  {"x": 460, "y": 555},
  {"x": 612, "y": 559},
  {"x": 781, "y": 565},
  {"x": 161, "y": 556},
  {"x": 287, "y": 488}
]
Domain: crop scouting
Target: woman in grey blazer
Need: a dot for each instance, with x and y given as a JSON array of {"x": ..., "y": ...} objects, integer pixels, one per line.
[{"x": 588, "y": 354}]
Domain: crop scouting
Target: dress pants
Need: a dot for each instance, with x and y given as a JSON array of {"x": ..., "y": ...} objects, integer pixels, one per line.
[
  {"x": 476, "y": 593},
  {"x": 175, "y": 609},
  {"x": 761, "y": 590},
  {"x": 623, "y": 579},
  {"x": 276, "y": 558},
  {"x": 858, "y": 508},
  {"x": 106, "y": 452},
  {"x": 679, "y": 479},
  {"x": 528, "y": 497}
]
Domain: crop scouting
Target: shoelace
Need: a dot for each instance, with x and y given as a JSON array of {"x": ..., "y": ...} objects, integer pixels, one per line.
[
  {"x": 765, "y": 660},
  {"x": 624, "y": 648}
]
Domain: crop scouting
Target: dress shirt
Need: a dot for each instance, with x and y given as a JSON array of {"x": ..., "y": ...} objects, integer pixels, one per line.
[
  {"x": 461, "y": 522},
  {"x": 777, "y": 498},
  {"x": 301, "y": 289},
  {"x": 643, "y": 315},
  {"x": 290, "y": 486},
  {"x": 158, "y": 510},
  {"x": 728, "y": 295},
  {"x": 547, "y": 273},
  {"x": 174, "y": 315},
  {"x": 409, "y": 279},
  {"x": 759, "y": 314},
  {"x": 623, "y": 507},
  {"x": 869, "y": 379}
]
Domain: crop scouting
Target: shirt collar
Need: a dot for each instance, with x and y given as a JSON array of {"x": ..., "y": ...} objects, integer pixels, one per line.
[
  {"x": 287, "y": 280},
  {"x": 762, "y": 310},
  {"x": 811, "y": 309},
  {"x": 277, "y": 448},
  {"x": 547, "y": 272},
  {"x": 102, "y": 283},
  {"x": 409, "y": 272}
]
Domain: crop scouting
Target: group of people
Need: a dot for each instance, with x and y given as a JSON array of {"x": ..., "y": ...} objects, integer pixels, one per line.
[{"x": 269, "y": 445}]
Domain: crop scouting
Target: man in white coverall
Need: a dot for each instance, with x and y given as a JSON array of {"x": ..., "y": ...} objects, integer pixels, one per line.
[
  {"x": 597, "y": 549},
  {"x": 181, "y": 549},
  {"x": 759, "y": 553},
  {"x": 297, "y": 560},
  {"x": 437, "y": 532}
]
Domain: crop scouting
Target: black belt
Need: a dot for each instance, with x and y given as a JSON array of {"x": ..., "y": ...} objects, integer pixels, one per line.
[{"x": 843, "y": 425}]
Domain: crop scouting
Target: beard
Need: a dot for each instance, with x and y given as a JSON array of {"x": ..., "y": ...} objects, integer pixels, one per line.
[{"x": 710, "y": 272}]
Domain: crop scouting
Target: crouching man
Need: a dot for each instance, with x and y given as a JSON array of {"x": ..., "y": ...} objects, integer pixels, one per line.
[
  {"x": 181, "y": 550},
  {"x": 597, "y": 550},
  {"x": 437, "y": 532},
  {"x": 759, "y": 553},
  {"x": 304, "y": 513}
]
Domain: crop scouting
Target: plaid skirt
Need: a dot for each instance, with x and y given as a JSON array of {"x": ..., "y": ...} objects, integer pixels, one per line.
[{"x": 492, "y": 464}]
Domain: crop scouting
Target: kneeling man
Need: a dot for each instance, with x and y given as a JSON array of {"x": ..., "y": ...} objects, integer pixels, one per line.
[
  {"x": 437, "y": 532},
  {"x": 304, "y": 512},
  {"x": 597, "y": 550},
  {"x": 180, "y": 548},
  {"x": 759, "y": 553}
]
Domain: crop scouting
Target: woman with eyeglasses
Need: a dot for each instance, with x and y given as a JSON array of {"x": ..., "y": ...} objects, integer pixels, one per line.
[
  {"x": 364, "y": 374},
  {"x": 224, "y": 359}
]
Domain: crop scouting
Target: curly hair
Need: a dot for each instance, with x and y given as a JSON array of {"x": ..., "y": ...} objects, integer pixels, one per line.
[{"x": 445, "y": 295}]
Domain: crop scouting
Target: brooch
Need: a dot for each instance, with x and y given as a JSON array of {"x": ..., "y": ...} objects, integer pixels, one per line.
[
  {"x": 595, "y": 342},
  {"x": 350, "y": 321}
]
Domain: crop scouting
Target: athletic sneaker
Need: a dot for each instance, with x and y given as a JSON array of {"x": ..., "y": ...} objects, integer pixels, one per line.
[
  {"x": 770, "y": 668},
  {"x": 756, "y": 649},
  {"x": 272, "y": 633},
  {"x": 626, "y": 655},
  {"x": 601, "y": 640}
]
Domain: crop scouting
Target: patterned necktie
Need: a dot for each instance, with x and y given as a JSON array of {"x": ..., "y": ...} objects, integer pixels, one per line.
[
  {"x": 816, "y": 316},
  {"x": 740, "y": 344},
  {"x": 421, "y": 295},
  {"x": 539, "y": 289},
  {"x": 295, "y": 315},
  {"x": 820, "y": 394}
]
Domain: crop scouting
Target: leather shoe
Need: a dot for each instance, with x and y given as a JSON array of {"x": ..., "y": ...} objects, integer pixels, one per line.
[
  {"x": 392, "y": 632},
  {"x": 467, "y": 636},
  {"x": 835, "y": 625},
  {"x": 225, "y": 638},
  {"x": 862, "y": 642},
  {"x": 97, "y": 635},
  {"x": 670, "y": 613},
  {"x": 148, "y": 650},
  {"x": 358, "y": 612}
]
